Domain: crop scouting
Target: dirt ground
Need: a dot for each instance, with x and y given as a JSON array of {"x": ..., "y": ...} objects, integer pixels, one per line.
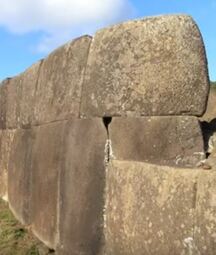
[{"x": 15, "y": 239}]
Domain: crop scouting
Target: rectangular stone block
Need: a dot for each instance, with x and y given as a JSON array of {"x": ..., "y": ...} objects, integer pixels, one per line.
[
  {"x": 173, "y": 140},
  {"x": 28, "y": 85},
  {"x": 150, "y": 209},
  {"x": 3, "y": 103},
  {"x": 205, "y": 225},
  {"x": 13, "y": 102},
  {"x": 47, "y": 159},
  {"x": 60, "y": 82},
  {"x": 19, "y": 175},
  {"x": 148, "y": 67},
  {"x": 82, "y": 188},
  {"x": 210, "y": 113},
  {"x": 6, "y": 141}
]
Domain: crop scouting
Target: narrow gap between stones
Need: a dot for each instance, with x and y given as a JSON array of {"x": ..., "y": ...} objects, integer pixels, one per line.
[
  {"x": 108, "y": 146},
  {"x": 209, "y": 135}
]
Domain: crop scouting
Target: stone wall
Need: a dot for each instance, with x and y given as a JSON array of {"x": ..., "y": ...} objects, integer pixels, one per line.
[{"x": 100, "y": 142}]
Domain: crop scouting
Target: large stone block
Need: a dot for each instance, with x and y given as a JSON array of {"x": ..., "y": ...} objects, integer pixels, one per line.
[
  {"x": 153, "y": 66},
  {"x": 13, "y": 102},
  {"x": 3, "y": 103},
  {"x": 149, "y": 209},
  {"x": 46, "y": 166},
  {"x": 6, "y": 141},
  {"x": 210, "y": 113},
  {"x": 163, "y": 140},
  {"x": 205, "y": 225},
  {"x": 28, "y": 86},
  {"x": 19, "y": 175},
  {"x": 82, "y": 188},
  {"x": 60, "y": 82}
]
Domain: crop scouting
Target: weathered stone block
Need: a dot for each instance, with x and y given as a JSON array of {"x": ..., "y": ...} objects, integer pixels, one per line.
[
  {"x": 46, "y": 166},
  {"x": 149, "y": 209},
  {"x": 153, "y": 66},
  {"x": 82, "y": 188},
  {"x": 163, "y": 140},
  {"x": 13, "y": 102},
  {"x": 210, "y": 113},
  {"x": 60, "y": 82},
  {"x": 205, "y": 225},
  {"x": 19, "y": 174},
  {"x": 6, "y": 141},
  {"x": 28, "y": 90},
  {"x": 3, "y": 103}
]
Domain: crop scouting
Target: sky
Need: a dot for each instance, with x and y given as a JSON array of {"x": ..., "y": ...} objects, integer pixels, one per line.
[{"x": 31, "y": 29}]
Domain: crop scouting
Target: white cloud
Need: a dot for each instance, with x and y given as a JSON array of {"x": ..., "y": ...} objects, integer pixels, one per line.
[{"x": 60, "y": 20}]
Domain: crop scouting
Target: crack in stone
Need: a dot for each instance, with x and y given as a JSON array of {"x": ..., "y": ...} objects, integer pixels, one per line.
[{"x": 108, "y": 146}]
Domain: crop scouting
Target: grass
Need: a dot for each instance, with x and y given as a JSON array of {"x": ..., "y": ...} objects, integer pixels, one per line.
[{"x": 16, "y": 240}]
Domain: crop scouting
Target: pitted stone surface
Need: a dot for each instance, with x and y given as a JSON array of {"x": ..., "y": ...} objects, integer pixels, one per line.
[
  {"x": 173, "y": 140},
  {"x": 13, "y": 98},
  {"x": 28, "y": 86},
  {"x": 149, "y": 209},
  {"x": 19, "y": 174},
  {"x": 205, "y": 230},
  {"x": 154, "y": 66},
  {"x": 59, "y": 86},
  {"x": 3, "y": 103},
  {"x": 6, "y": 141},
  {"x": 210, "y": 113},
  {"x": 82, "y": 185},
  {"x": 46, "y": 165}
]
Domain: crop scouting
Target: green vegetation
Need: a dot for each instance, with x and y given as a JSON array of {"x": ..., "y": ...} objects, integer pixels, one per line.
[{"x": 14, "y": 239}]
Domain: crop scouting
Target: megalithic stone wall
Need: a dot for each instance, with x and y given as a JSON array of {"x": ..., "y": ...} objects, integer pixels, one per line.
[{"x": 132, "y": 92}]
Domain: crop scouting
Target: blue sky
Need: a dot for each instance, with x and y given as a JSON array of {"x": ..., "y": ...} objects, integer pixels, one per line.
[{"x": 30, "y": 29}]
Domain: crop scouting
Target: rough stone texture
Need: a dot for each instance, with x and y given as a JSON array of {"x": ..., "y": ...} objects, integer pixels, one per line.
[
  {"x": 163, "y": 140},
  {"x": 3, "y": 103},
  {"x": 82, "y": 188},
  {"x": 59, "y": 86},
  {"x": 149, "y": 209},
  {"x": 210, "y": 113},
  {"x": 205, "y": 231},
  {"x": 13, "y": 102},
  {"x": 19, "y": 175},
  {"x": 28, "y": 90},
  {"x": 154, "y": 66},
  {"x": 46, "y": 166},
  {"x": 6, "y": 139}
]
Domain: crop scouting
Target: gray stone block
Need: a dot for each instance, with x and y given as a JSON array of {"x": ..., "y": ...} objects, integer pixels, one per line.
[
  {"x": 153, "y": 66},
  {"x": 59, "y": 87},
  {"x": 47, "y": 158},
  {"x": 6, "y": 141},
  {"x": 150, "y": 209},
  {"x": 3, "y": 103},
  {"x": 205, "y": 224},
  {"x": 173, "y": 140},
  {"x": 19, "y": 175},
  {"x": 82, "y": 188},
  {"x": 28, "y": 87},
  {"x": 13, "y": 102}
]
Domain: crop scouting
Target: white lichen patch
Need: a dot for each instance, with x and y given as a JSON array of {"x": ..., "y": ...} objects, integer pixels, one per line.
[
  {"x": 108, "y": 151},
  {"x": 190, "y": 246}
]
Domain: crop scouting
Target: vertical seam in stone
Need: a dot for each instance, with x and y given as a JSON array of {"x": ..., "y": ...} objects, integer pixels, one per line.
[
  {"x": 83, "y": 79},
  {"x": 58, "y": 209},
  {"x": 196, "y": 184}
]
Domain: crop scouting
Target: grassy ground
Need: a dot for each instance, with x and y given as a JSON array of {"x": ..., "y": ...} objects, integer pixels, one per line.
[{"x": 14, "y": 239}]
